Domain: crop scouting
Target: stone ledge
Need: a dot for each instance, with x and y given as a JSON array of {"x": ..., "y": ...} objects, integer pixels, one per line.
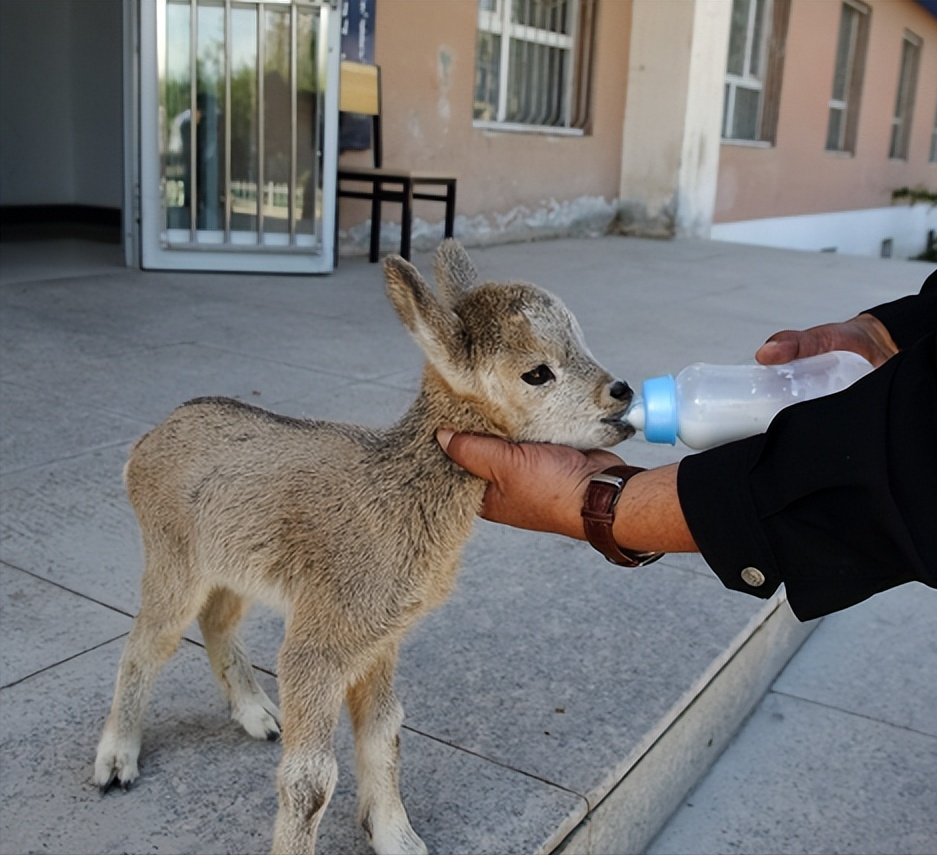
[{"x": 632, "y": 814}]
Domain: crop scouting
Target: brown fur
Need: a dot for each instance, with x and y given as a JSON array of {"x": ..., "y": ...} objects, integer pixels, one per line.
[{"x": 354, "y": 532}]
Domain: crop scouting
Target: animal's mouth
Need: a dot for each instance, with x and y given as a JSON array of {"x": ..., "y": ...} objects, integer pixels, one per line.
[{"x": 617, "y": 421}]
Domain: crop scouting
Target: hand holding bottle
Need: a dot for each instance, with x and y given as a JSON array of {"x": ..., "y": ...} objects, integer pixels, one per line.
[{"x": 863, "y": 334}]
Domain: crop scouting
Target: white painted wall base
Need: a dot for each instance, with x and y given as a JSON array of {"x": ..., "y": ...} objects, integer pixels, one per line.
[{"x": 849, "y": 232}]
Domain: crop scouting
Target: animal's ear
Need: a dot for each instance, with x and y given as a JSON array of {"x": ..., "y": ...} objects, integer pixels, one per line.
[
  {"x": 435, "y": 328},
  {"x": 455, "y": 273}
]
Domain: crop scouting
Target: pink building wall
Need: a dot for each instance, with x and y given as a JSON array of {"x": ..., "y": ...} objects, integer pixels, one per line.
[
  {"x": 426, "y": 50},
  {"x": 797, "y": 175}
]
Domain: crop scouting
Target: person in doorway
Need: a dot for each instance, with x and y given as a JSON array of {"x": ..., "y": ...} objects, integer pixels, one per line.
[{"x": 837, "y": 499}]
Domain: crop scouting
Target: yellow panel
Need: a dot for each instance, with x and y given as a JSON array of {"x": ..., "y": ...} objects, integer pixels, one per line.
[{"x": 359, "y": 89}]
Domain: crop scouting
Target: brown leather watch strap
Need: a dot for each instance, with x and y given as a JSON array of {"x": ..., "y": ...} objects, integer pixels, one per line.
[{"x": 598, "y": 514}]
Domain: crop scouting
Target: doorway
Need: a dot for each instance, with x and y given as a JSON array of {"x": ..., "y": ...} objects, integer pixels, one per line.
[{"x": 238, "y": 134}]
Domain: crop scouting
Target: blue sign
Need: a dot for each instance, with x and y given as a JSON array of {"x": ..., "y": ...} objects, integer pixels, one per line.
[
  {"x": 354, "y": 132},
  {"x": 358, "y": 30}
]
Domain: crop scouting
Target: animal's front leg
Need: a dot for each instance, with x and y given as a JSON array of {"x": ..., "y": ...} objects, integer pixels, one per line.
[
  {"x": 376, "y": 715},
  {"x": 310, "y": 702}
]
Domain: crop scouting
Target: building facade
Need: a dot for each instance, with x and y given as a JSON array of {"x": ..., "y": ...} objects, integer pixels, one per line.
[
  {"x": 856, "y": 121},
  {"x": 803, "y": 123}
]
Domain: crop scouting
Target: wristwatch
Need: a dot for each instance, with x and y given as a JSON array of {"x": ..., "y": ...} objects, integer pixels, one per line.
[{"x": 598, "y": 514}]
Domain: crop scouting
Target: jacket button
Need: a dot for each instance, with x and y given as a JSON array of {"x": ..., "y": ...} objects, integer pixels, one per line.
[{"x": 753, "y": 576}]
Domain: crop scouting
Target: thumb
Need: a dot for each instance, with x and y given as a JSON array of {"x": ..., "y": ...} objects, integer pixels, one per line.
[
  {"x": 473, "y": 452},
  {"x": 444, "y": 437},
  {"x": 782, "y": 347}
]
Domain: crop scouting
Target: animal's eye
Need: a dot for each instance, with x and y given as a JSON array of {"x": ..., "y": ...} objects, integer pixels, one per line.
[{"x": 538, "y": 376}]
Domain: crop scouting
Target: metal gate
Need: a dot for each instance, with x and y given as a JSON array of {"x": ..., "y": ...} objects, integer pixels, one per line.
[{"x": 238, "y": 134}]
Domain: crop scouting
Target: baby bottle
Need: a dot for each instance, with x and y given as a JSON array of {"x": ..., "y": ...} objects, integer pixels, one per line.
[{"x": 707, "y": 405}]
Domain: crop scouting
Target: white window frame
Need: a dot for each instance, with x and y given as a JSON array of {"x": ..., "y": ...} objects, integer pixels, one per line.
[
  {"x": 495, "y": 18},
  {"x": 853, "y": 63},
  {"x": 900, "y": 143},
  {"x": 747, "y": 79},
  {"x": 162, "y": 248}
]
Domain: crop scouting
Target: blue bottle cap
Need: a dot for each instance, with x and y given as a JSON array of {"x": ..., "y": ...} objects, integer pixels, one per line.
[{"x": 660, "y": 409}]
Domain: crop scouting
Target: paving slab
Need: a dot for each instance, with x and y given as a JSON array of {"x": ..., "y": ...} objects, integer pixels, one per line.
[
  {"x": 207, "y": 787},
  {"x": 877, "y": 661},
  {"x": 843, "y": 751},
  {"x": 44, "y": 625},
  {"x": 361, "y": 401},
  {"x": 650, "y": 791},
  {"x": 70, "y": 522},
  {"x": 653, "y": 308},
  {"x": 32, "y": 435},
  {"x": 149, "y": 383},
  {"x": 544, "y": 676},
  {"x": 770, "y": 791}
]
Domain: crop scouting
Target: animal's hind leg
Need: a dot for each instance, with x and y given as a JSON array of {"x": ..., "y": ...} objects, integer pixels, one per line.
[
  {"x": 250, "y": 705},
  {"x": 376, "y": 716},
  {"x": 156, "y": 633}
]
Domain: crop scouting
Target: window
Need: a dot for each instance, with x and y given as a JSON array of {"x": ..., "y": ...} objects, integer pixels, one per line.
[
  {"x": 933, "y": 141},
  {"x": 904, "y": 102},
  {"x": 533, "y": 64},
  {"x": 847, "y": 77},
  {"x": 753, "y": 69}
]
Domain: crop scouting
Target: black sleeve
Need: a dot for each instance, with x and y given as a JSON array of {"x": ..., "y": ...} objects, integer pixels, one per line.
[
  {"x": 837, "y": 500},
  {"x": 911, "y": 317}
]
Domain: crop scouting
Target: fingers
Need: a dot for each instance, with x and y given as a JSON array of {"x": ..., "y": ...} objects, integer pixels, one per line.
[
  {"x": 498, "y": 460},
  {"x": 797, "y": 344},
  {"x": 864, "y": 335},
  {"x": 531, "y": 485},
  {"x": 480, "y": 455},
  {"x": 780, "y": 348},
  {"x": 444, "y": 437}
]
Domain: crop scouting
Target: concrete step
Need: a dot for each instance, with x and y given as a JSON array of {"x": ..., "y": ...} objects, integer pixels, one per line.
[
  {"x": 840, "y": 755},
  {"x": 690, "y": 737}
]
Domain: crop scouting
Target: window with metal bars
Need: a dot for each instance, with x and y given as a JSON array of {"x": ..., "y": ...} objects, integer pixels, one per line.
[
  {"x": 533, "y": 64},
  {"x": 847, "y": 77}
]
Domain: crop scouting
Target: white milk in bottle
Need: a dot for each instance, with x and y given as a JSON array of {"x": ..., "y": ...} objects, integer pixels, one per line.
[{"x": 707, "y": 405}]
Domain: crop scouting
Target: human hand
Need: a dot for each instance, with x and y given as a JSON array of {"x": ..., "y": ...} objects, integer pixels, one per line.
[
  {"x": 535, "y": 486},
  {"x": 863, "y": 334}
]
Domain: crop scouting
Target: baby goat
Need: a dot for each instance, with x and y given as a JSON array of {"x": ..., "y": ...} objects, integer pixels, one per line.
[{"x": 354, "y": 532}]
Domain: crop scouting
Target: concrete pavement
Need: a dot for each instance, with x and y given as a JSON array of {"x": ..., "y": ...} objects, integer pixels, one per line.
[
  {"x": 841, "y": 754},
  {"x": 555, "y": 703}
]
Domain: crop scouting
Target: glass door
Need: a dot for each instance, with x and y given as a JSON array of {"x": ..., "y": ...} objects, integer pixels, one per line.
[{"x": 238, "y": 129}]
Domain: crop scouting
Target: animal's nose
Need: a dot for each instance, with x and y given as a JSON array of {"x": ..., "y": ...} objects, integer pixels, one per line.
[{"x": 620, "y": 391}]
